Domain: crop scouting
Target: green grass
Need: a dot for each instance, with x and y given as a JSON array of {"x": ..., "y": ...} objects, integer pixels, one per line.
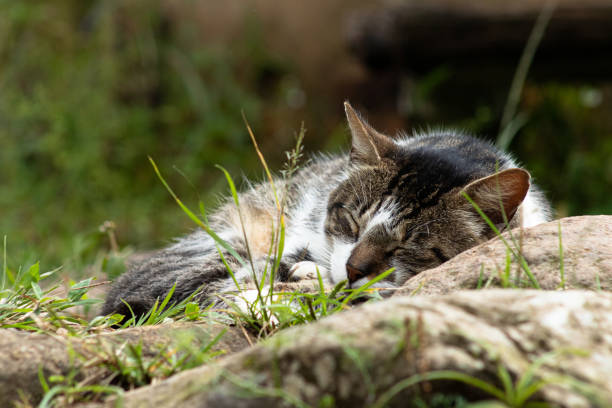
[
  {"x": 124, "y": 368},
  {"x": 31, "y": 300},
  {"x": 509, "y": 393},
  {"x": 514, "y": 249},
  {"x": 511, "y": 122},
  {"x": 26, "y": 305},
  {"x": 186, "y": 309},
  {"x": 80, "y": 114}
]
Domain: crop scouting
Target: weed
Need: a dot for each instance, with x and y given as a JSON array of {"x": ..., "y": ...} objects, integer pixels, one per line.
[
  {"x": 130, "y": 368},
  {"x": 561, "y": 262},
  {"x": 25, "y": 305},
  {"x": 514, "y": 250},
  {"x": 30, "y": 301},
  {"x": 161, "y": 312},
  {"x": 123, "y": 367},
  {"x": 253, "y": 389},
  {"x": 511, "y": 123},
  {"x": 67, "y": 391},
  {"x": 515, "y": 394}
]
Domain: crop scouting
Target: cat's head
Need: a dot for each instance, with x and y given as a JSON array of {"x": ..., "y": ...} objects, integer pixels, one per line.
[{"x": 402, "y": 203}]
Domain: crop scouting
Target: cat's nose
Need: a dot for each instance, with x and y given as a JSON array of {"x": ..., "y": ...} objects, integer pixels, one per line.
[{"x": 353, "y": 273}]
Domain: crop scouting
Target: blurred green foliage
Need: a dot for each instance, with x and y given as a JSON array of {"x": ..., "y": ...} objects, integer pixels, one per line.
[
  {"x": 567, "y": 143},
  {"x": 88, "y": 89}
]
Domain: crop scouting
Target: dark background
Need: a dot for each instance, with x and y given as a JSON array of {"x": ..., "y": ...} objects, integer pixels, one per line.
[{"x": 89, "y": 89}]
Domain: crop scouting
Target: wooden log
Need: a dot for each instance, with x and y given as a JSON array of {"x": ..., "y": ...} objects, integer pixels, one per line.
[{"x": 417, "y": 35}]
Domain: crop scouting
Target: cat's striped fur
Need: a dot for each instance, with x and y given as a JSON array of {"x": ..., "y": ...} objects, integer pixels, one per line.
[{"x": 391, "y": 202}]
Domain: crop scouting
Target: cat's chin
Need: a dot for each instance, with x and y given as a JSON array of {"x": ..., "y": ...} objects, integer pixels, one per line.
[{"x": 340, "y": 255}]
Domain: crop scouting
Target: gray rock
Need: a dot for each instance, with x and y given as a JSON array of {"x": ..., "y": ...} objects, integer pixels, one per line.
[
  {"x": 25, "y": 353},
  {"x": 355, "y": 358},
  {"x": 587, "y": 259}
]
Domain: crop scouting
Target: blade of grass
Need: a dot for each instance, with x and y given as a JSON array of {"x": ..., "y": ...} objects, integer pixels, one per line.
[
  {"x": 162, "y": 306},
  {"x": 520, "y": 75},
  {"x": 42, "y": 379},
  {"x": 386, "y": 397},
  {"x": 280, "y": 247},
  {"x": 49, "y": 395},
  {"x": 561, "y": 262},
  {"x": 518, "y": 257},
  {"x": 480, "y": 277},
  {"x": 229, "y": 269},
  {"x": 195, "y": 218},
  {"x": 261, "y": 158},
  {"x": 339, "y": 286},
  {"x": 361, "y": 289},
  {"x": 506, "y": 274},
  {"x": 506, "y": 381},
  {"x": 145, "y": 318},
  {"x": 225, "y": 263},
  {"x": 322, "y": 293},
  {"x": 511, "y": 129},
  {"x": 418, "y": 289},
  {"x": 132, "y": 319},
  {"x": 276, "y": 200},
  {"x": 271, "y": 248},
  {"x": 528, "y": 376},
  {"x": 234, "y": 194},
  {"x": 4, "y": 267},
  {"x": 293, "y": 158}
]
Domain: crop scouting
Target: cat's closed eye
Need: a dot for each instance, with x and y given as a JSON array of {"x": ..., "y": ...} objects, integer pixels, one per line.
[
  {"x": 343, "y": 223},
  {"x": 349, "y": 225}
]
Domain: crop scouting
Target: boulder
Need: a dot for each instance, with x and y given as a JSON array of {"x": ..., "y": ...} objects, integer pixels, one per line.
[
  {"x": 24, "y": 353},
  {"x": 585, "y": 244},
  {"x": 387, "y": 353}
]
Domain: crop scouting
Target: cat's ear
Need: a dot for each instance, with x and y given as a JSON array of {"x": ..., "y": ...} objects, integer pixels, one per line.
[
  {"x": 503, "y": 191},
  {"x": 368, "y": 145}
]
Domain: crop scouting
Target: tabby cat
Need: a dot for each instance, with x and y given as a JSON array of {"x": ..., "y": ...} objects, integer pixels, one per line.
[{"x": 392, "y": 202}]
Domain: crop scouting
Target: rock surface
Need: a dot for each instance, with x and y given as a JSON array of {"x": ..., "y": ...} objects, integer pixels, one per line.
[
  {"x": 357, "y": 357},
  {"x": 388, "y": 352},
  {"x": 24, "y": 353},
  {"x": 587, "y": 259}
]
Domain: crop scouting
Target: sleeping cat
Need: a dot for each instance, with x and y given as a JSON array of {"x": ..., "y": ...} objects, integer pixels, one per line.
[{"x": 392, "y": 202}]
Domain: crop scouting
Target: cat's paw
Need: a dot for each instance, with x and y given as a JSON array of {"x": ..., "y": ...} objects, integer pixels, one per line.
[
  {"x": 305, "y": 270},
  {"x": 251, "y": 302}
]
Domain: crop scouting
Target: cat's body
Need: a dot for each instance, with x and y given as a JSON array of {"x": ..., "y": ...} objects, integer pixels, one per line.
[{"x": 390, "y": 203}]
